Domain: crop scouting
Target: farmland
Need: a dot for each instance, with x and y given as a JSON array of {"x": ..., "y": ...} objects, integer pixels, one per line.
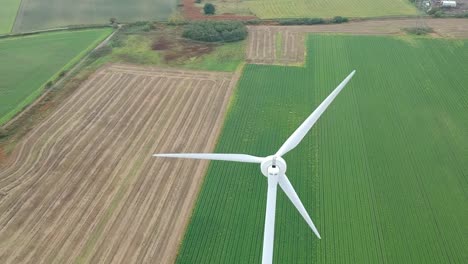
[
  {"x": 29, "y": 62},
  {"x": 285, "y": 44},
  {"x": 383, "y": 173},
  {"x": 82, "y": 186},
  {"x": 58, "y": 13},
  {"x": 266, "y": 9},
  {"x": 8, "y": 14},
  {"x": 162, "y": 47}
]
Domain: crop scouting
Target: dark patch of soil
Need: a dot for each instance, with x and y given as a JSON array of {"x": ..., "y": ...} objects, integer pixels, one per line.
[
  {"x": 175, "y": 49},
  {"x": 184, "y": 49},
  {"x": 160, "y": 44}
]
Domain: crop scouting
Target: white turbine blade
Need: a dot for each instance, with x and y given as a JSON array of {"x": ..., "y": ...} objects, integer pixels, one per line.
[
  {"x": 287, "y": 187},
  {"x": 213, "y": 156},
  {"x": 269, "y": 232},
  {"x": 302, "y": 130}
]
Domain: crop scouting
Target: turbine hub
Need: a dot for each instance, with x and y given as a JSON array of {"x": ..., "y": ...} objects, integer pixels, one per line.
[{"x": 273, "y": 165}]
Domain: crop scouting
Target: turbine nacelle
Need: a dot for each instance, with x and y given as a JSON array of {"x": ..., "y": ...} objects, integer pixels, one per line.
[{"x": 273, "y": 165}]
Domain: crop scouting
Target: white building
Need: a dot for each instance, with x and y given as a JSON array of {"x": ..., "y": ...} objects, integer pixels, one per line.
[{"x": 449, "y": 4}]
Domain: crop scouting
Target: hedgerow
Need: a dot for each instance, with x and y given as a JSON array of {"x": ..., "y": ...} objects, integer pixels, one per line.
[{"x": 215, "y": 31}]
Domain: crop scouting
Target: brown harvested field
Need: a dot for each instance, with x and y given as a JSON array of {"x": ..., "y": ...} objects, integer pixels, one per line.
[
  {"x": 82, "y": 185},
  {"x": 275, "y": 45},
  {"x": 262, "y": 40}
]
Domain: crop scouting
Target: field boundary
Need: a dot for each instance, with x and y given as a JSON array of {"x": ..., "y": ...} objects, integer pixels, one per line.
[
  {"x": 34, "y": 98},
  {"x": 67, "y": 28}
]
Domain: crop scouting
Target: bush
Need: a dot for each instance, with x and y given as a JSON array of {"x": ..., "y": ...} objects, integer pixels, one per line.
[
  {"x": 339, "y": 20},
  {"x": 215, "y": 31},
  {"x": 101, "y": 52},
  {"x": 112, "y": 20},
  {"x": 252, "y": 22},
  {"x": 209, "y": 9},
  {"x": 62, "y": 73},
  {"x": 176, "y": 19},
  {"x": 137, "y": 27},
  {"x": 49, "y": 84},
  {"x": 117, "y": 40},
  {"x": 418, "y": 30},
  {"x": 464, "y": 15},
  {"x": 302, "y": 21},
  {"x": 438, "y": 14},
  {"x": 3, "y": 132},
  {"x": 198, "y": 1}
]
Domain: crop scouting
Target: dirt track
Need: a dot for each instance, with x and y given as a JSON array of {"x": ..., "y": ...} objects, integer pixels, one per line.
[
  {"x": 262, "y": 39},
  {"x": 83, "y": 187}
]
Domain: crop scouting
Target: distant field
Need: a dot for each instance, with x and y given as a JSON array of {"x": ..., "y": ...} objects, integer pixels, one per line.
[
  {"x": 27, "y": 63},
  {"x": 383, "y": 173},
  {"x": 8, "y": 11},
  {"x": 43, "y": 14},
  {"x": 315, "y": 8}
]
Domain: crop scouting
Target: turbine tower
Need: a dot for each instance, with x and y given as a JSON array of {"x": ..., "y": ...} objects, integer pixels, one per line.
[{"x": 274, "y": 168}]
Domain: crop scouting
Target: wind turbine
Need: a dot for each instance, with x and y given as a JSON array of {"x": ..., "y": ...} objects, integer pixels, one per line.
[{"x": 274, "y": 168}]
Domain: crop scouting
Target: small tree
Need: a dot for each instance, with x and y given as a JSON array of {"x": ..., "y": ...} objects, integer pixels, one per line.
[
  {"x": 339, "y": 20},
  {"x": 209, "y": 9},
  {"x": 112, "y": 20},
  {"x": 198, "y": 1},
  {"x": 49, "y": 84},
  {"x": 176, "y": 19},
  {"x": 3, "y": 132}
]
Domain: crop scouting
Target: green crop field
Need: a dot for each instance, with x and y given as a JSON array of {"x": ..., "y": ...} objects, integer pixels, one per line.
[
  {"x": 383, "y": 173},
  {"x": 58, "y": 13},
  {"x": 8, "y": 11},
  {"x": 27, "y": 63},
  {"x": 313, "y": 8}
]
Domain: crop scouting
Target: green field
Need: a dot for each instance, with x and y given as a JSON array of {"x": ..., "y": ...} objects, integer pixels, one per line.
[
  {"x": 8, "y": 12},
  {"x": 383, "y": 173},
  {"x": 59, "y": 13},
  {"x": 266, "y": 9},
  {"x": 27, "y": 63}
]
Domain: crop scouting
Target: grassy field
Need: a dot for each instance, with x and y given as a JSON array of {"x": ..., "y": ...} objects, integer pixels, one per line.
[
  {"x": 307, "y": 8},
  {"x": 8, "y": 14},
  {"x": 29, "y": 62},
  {"x": 383, "y": 173},
  {"x": 136, "y": 48},
  {"x": 57, "y": 13}
]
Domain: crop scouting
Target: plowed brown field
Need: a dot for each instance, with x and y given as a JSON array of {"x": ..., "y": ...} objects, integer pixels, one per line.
[
  {"x": 263, "y": 40},
  {"x": 83, "y": 186}
]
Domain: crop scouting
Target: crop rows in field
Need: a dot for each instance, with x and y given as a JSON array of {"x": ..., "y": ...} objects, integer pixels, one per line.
[
  {"x": 275, "y": 45},
  {"x": 266, "y": 9},
  {"x": 286, "y": 44},
  {"x": 382, "y": 174},
  {"x": 83, "y": 186},
  {"x": 59, "y": 13}
]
